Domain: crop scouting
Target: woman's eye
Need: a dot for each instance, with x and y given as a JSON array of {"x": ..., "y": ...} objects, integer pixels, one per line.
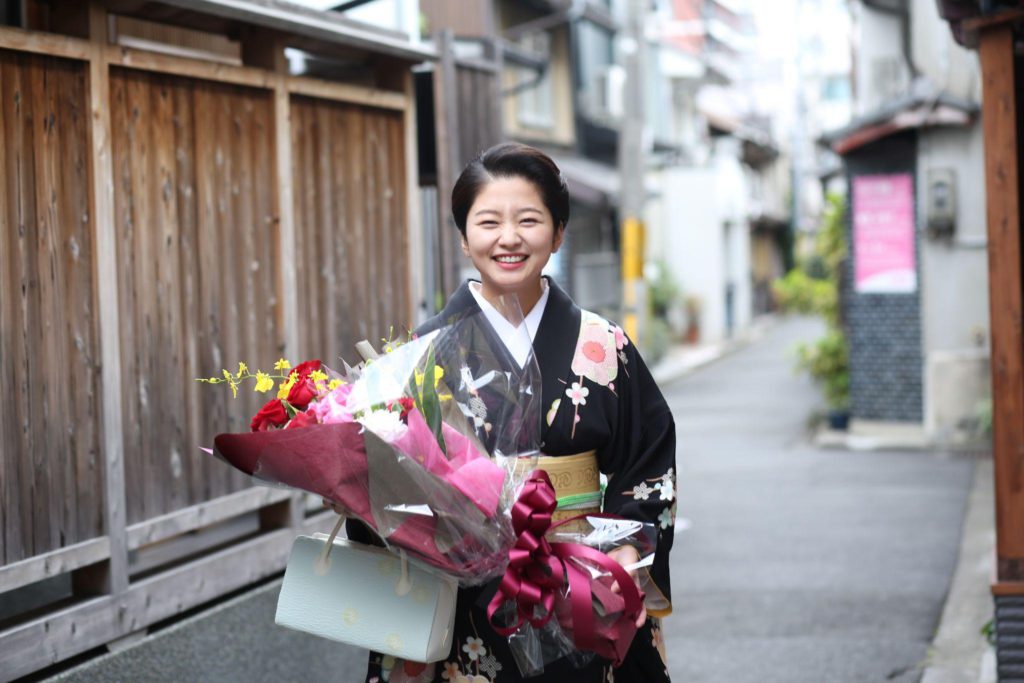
[
  {"x": 489, "y": 224},
  {"x": 528, "y": 221}
]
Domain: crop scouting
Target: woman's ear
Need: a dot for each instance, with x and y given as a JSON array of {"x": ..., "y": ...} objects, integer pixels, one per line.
[
  {"x": 465, "y": 244},
  {"x": 559, "y": 234}
]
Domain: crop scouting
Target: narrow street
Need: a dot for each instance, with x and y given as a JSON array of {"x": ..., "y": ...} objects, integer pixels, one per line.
[{"x": 794, "y": 564}]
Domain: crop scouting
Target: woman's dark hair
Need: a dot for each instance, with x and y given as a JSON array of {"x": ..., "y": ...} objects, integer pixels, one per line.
[{"x": 511, "y": 160}]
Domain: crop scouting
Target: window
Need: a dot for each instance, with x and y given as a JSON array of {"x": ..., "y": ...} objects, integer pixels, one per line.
[{"x": 535, "y": 102}]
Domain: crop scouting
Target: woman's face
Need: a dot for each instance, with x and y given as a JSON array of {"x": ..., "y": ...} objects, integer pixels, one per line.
[{"x": 510, "y": 235}]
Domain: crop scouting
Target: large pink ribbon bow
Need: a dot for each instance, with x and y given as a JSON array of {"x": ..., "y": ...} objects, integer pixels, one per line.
[{"x": 538, "y": 569}]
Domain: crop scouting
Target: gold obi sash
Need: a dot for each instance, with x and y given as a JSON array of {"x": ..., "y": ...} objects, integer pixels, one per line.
[{"x": 577, "y": 483}]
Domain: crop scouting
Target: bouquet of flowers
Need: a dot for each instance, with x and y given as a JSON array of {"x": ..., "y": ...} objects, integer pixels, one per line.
[
  {"x": 426, "y": 444},
  {"x": 433, "y": 445}
]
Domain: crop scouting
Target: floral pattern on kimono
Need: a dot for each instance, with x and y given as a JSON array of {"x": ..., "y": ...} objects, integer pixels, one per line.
[{"x": 597, "y": 395}]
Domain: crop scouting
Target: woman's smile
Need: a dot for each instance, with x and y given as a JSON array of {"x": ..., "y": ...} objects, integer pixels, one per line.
[{"x": 511, "y": 261}]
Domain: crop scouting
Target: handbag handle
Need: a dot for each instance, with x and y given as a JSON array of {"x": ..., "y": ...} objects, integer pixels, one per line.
[{"x": 322, "y": 563}]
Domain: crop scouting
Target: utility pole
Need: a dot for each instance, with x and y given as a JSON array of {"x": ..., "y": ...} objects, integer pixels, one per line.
[{"x": 631, "y": 172}]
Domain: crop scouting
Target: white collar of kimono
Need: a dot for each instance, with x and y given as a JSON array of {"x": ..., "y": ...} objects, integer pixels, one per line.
[{"x": 515, "y": 341}]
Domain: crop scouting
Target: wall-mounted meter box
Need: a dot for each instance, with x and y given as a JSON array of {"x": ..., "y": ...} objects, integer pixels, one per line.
[{"x": 940, "y": 202}]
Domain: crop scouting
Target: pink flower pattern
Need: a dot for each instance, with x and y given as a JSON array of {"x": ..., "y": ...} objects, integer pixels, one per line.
[{"x": 596, "y": 359}]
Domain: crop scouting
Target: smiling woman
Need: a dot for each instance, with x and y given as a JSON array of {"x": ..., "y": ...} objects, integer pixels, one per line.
[
  {"x": 511, "y": 206},
  {"x": 602, "y": 410}
]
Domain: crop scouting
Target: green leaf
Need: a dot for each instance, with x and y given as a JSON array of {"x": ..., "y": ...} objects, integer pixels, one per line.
[{"x": 429, "y": 405}]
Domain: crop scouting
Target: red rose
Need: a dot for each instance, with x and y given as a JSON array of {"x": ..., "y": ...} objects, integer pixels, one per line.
[
  {"x": 407, "y": 405},
  {"x": 272, "y": 414},
  {"x": 303, "y": 369},
  {"x": 301, "y": 393},
  {"x": 301, "y": 420}
]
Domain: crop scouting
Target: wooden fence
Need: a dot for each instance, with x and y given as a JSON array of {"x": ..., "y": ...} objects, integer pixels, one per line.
[{"x": 162, "y": 218}]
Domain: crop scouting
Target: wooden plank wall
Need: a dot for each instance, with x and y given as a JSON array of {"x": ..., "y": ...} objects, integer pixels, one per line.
[
  {"x": 198, "y": 275},
  {"x": 182, "y": 169},
  {"x": 351, "y": 215},
  {"x": 479, "y": 125},
  {"x": 194, "y": 205},
  {"x": 50, "y": 429}
]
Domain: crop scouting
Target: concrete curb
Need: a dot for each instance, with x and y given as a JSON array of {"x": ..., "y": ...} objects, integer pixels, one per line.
[{"x": 959, "y": 653}]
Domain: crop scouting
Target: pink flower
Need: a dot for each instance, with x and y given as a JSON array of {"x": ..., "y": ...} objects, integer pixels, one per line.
[
  {"x": 578, "y": 394},
  {"x": 595, "y": 356},
  {"x": 621, "y": 340},
  {"x": 333, "y": 408}
]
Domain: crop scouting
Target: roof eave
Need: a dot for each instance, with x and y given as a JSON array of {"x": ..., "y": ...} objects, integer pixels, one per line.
[
  {"x": 302, "y": 21},
  {"x": 944, "y": 110}
]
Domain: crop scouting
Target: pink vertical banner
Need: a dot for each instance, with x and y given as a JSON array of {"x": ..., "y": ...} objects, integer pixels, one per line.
[{"x": 883, "y": 234}]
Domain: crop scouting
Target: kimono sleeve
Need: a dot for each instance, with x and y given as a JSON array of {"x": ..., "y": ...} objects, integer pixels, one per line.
[{"x": 639, "y": 461}]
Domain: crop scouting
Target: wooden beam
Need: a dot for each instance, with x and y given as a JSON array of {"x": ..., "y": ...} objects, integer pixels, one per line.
[
  {"x": 973, "y": 28},
  {"x": 44, "y": 43},
  {"x": 101, "y": 204},
  {"x": 203, "y": 514},
  {"x": 51, "y": 564},
  {"x": 343, "y": 92},
  {"x": 130, "y": 58},
  {"x": 1000, "y": 121}
]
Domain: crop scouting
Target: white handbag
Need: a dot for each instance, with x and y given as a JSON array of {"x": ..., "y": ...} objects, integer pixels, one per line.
[{"x": 368, "y": 597}]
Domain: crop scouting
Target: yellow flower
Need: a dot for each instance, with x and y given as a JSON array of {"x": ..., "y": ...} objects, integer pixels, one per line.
[
  {"x": 263, "y": 382},
  {"x": 242, "y": 369},
  {"x": 286, "y": 386},
  {"x": 318, "y": 376},
  {"x": 282, "y": 364},
  {"x": 227, "y": 375},
  {"x": 234, "y": 390},
  {"x": 334, "y": 384},
  {"x": 438, "y": 374}
]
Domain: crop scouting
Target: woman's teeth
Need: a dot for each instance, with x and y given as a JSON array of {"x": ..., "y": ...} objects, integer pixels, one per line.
[{"x": 510, "y": 259}]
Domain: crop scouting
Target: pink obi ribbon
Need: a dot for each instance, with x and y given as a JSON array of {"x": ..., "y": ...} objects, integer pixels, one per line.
[{"x": 538, "y": 570}]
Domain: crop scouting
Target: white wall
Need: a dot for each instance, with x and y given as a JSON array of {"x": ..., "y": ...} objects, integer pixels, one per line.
[
  {"x": 702, "y": 255},
  {"x": 954, "y": 286},
  {"x": 937, "y": 55},
  {"x": 879, "y": 70}
]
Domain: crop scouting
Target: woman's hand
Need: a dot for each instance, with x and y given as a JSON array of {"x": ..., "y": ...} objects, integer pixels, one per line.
[
  {"x": 337, "y": 508},
  {"x": 627, "y": 555}
]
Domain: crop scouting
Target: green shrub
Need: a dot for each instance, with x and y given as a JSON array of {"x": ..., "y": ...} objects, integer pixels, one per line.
[
  {"x": 664, "y": 292},
  {"x": 799, "y": 293},
  {"x": 827, "y": 361}
]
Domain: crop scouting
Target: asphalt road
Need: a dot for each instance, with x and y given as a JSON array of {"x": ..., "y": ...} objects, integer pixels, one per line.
[{"x": 794, "y": 564}]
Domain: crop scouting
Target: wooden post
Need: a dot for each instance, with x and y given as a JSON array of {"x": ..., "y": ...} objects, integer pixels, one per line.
[
  {"x": 1000, "y": 119},
  {"x": 265, "y": 49},
  {"x": 115, "y": 579},
  {"x": 414, "y": 229},
  {"x": 446, "y": 118}
]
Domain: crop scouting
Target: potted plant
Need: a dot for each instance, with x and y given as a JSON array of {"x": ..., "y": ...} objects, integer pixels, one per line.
[
  {"x": 827, "y": 361},
  {"x": 693, "y": 306}
]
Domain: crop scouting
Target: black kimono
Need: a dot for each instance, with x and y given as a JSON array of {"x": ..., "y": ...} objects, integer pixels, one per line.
[{"x": 597, "y": 395}]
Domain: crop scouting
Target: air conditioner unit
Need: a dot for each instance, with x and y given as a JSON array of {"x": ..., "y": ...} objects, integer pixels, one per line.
[{"x": 609, "y": 88}]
